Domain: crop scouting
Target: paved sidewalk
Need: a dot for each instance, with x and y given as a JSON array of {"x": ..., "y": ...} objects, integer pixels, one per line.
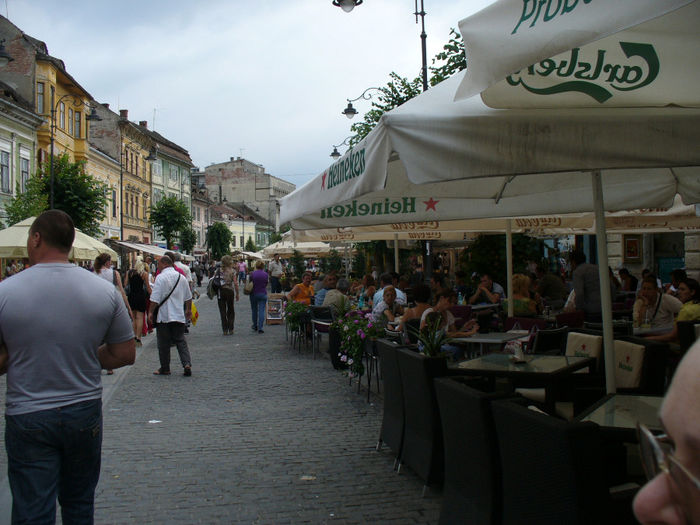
[{"x": 258, "y": 434}]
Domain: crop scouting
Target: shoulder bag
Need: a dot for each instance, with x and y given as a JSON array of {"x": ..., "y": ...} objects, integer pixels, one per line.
[
  {"x": 155, "y": 310},
  {"x": 248, "y": 288}
]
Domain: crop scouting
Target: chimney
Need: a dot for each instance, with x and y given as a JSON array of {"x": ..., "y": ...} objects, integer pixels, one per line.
[
  {"x": 143, "y": 123},
  {"x": 106, "y": 105},
  {"x": 124, "y": 114}
]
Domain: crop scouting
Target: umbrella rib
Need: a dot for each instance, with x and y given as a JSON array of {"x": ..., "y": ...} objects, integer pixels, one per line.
[{"x": 503, "y": 188}]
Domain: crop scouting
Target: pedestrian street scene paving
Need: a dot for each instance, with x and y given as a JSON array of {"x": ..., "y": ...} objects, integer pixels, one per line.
[{"x": 258, "y": 434}]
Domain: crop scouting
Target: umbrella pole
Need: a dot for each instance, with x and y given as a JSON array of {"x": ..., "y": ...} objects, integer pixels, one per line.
[
  {"x": 396, "y": 252},
  {"x": 509, "y": 265},
  {"x": 605, "y": 296}
]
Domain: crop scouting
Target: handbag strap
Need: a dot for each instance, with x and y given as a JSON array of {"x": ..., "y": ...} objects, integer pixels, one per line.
[{"x": 171, "y": 291}]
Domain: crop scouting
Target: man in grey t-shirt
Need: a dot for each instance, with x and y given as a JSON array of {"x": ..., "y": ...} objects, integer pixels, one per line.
[{"x": 59, "y": 326}]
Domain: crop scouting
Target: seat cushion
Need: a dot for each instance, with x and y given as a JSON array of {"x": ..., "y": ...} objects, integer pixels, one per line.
[
  {"x": 583, "y": 345},
  {"x": 629, "y": 358}
]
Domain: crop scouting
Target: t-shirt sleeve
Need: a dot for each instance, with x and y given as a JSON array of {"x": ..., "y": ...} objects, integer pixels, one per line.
[{"x": 120, "y": 329}]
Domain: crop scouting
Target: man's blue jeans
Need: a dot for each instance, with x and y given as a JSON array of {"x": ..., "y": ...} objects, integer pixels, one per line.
[{"x": 51, "y": 453}]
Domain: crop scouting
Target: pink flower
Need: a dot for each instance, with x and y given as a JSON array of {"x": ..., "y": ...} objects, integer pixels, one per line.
[
  {"x": 350, "y": 361},
  {"x": 361, "y": 334},
  {"x": 369, "y": 325},
  {"x": 356, "y": 321},
  {"x": 343, "y": 358}
]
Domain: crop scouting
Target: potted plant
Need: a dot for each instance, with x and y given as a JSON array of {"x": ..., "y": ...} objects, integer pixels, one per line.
[
  {"x": 356, "y": 329},
  {"x": 293, "y": 315},
  {"x": 431, "y": 337}
]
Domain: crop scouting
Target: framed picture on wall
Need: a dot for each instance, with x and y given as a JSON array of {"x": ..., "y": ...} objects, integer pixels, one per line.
[{"x": 632, "y": 248}]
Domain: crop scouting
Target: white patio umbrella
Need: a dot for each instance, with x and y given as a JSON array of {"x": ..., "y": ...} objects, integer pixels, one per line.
[
  {"x": 433, "y": 157},
  {"x": 13, "y": 243}
]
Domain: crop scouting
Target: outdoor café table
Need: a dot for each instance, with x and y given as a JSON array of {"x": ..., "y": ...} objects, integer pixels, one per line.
[
  {"x": 491, "y": 338},
  {"x": 484, "y": 306},
  {"x": 618, "y": 415},
  {"x": 656, "y": 330},
  {"x": 536, "y": 371}
]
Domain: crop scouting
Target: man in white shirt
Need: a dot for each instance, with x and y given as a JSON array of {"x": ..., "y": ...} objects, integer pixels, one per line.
[
  {"x": 276, "y": 271},
  {"x": 177, "y": 258},
  {"x": 171, "y": 293},
  {"x": 388, "y": 280}
]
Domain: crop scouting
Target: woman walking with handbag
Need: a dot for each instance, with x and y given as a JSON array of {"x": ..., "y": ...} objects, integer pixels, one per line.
[
  {"x": 226, "y": 294},
  {"x": 139, "y": 288},
  {"x": 258, "y": 297}
]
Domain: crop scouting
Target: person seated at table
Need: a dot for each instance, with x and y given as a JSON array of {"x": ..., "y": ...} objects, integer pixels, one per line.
[
  {"x": 385, "y": 280},
  {"x": 388, "y": 308},
  {"x": 437, "y": 284},
  {"x": 445, "y": 300},
  {"x": 367, "y": 290},
  {"x": 627, "y": 280},
  {"x": 487, "y": 292},
  {"x": 462, "y": 287},
  {"x": 440, "y": 314},
  {"x": 523, "y": 305},
  {"x": 672, "y": 461},
  {"x": 677, "y": 276},
  {"x": 645, "y": 272},
  {"x": 421, "y": 295},
  {"x": 653, "y": 307},
  {"x": 689, "y": 295},
  {"x": 329, "y": 283},
  {"x": 550, "y": 287},
  {"x": 337, "y": 297},
  {"x": 303, "y": 292}
]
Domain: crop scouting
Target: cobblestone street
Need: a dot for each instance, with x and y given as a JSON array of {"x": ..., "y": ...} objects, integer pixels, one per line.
[{"x": 258, "y": 434}]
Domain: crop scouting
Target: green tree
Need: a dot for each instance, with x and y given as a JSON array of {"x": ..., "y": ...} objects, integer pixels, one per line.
[
  {"x": 250, "y": 245},
  {"x": 275, "y": 237},
  {"x": 487, "y": 254},
  {"x": 188, "y": 239},
  {"x": 397, "y": 91},
  {"x": 359, "y": 261},
  {"x": 335, "y": 261},
  {"x": 296, "y": 261},
  {"x": 450, "y": 60},
  {"x": 400, "y": 89},
  {"x": 77, "y": 193},
  {"x": 170, "y": 216},
  {"x": 219, "y": 240}
]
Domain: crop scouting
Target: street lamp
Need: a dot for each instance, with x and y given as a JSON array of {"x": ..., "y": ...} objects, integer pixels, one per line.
[
  {"x": 77, "y": 102},
  {"x": 5, "y": 57},
  {"x": 350, "y": 111},
  {"x": 347, "y": 5},
  {"x": 335, "y": 153}
]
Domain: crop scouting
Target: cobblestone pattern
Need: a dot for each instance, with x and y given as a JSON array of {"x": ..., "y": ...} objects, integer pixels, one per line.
[{"x": 258, "y": 434}]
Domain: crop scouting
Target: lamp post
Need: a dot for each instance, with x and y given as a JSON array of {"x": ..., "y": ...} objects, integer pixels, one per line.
[
  {"x": 335, "y": 154},
  {"x": 151, "y": 157},
  {"x": 347, "y": 5},
  {"x": 77, "y": 102},
  {"x": 350, "y": 111}
]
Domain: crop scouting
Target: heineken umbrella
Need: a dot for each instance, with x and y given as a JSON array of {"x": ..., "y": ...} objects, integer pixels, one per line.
[
  {"x": 13, "y": 243},
  {"x": 679, "y": 217}
]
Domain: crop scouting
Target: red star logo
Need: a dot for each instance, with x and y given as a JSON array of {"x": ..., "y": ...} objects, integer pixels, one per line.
[
  {"x": 628, "y": 358},
  {"x": 323, "y": 182},
  {"x": 430, "y": 204}
]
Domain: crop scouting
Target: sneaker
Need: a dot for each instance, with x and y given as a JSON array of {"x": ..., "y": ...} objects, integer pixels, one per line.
[
  {"x": 260, "y": 332},
  {"x": 188, "y": 371}
]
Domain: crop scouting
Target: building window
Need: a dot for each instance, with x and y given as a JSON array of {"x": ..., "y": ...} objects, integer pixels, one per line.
[
  {"x": 131, "y": 199},
  {"x": 157, "y": 195},
  {"x": 114, "y": 203},
  {"x": 77, "y": 124},
  {"x": 145, "y": 207},
  {"x": 242, "y": 241},
  {"x": 5, "y": 171},
  {"x": 62, "y": 115},
  {"x": 173, "y": 173},
  {"x": 70, "y": 121},
  {"x": 137, "y": 164},
  {"x": 40, "y": 98},
  {"x": 136, "y": 205},
  {"x": 233, "y": 241},
  {"x": 24, "y": 173}
]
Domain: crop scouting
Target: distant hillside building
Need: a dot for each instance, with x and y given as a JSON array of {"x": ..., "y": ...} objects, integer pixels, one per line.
[{"x": 243, "y": 182}]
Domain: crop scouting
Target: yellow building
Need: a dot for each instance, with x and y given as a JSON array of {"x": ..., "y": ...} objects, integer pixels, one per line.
[{"x": 106, "y": 169}]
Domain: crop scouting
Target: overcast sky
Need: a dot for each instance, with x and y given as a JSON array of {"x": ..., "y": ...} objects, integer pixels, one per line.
[{"x": 262, "y": 79}]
